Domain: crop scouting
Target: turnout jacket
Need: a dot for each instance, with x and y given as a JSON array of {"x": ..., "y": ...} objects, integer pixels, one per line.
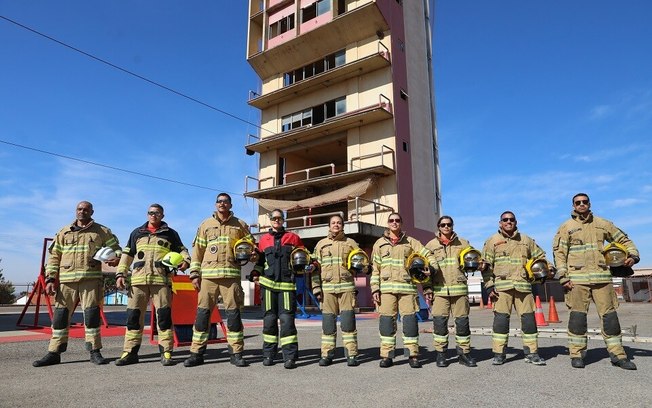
[
  {"x": 507, "y": 257},
  {"x": 448, "y": 278},
  {"x": 332, "y": 254},
  {"x": 71, "y": 252},
  {"x": 578, "y": 245},
  {"x": 274, "y": 264},
  {"x": 147, "y": 249},
  {"x": 212, "y": 248},
  {"x": 389, "y": 273}
]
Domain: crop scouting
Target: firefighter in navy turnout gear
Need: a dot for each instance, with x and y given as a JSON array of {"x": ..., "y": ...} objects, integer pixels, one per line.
[
  {"x": 506, "y": 253},
  {"x": 214, "y": 272},
  {"x": 79, "y": 276},
  {"x": 147, "y": 248},
  {"x": 334, "y": 287},
  {"x": 276, "y": 278},
  {"x": 447, "y": 292},
  {"x": 394, "y": 290},
  {"x": 583, "y": 265}
]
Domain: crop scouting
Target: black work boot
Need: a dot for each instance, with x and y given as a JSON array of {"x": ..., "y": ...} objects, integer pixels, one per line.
[
  {"x": 238, "y": 361},
  {"x": 441, "y": 359},
  {"x": 577, "y": 362},
  {"x": 48, "y": 360},
  {"x": 194, "y": 360},
  {"x": 97, "y": 359},
  {"x": 268, "y": 361},
  {"x": 325, "y": 361},
  {"x": 466, "y": 360},
  {"x": 386, "y": 362},
  {"x": 499, "y": 359},
  {"x": 352, "y": 361},
  {"x": 624, "y": 363},
  {"x": 166, "y": 359},
  {"x": 127, "y": 358},
  {"x": 290, "y": 364},
  {"x": 414, "y": 362}
]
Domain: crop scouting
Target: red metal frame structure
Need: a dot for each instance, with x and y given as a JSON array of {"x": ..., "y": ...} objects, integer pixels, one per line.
[{"x": 39, "y": 290}]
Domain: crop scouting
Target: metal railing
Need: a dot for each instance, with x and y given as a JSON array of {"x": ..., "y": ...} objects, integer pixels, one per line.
[
  {"x": 260, "y": 182},
  {"x": 383, "y": 150},
  {"x": 357, "y": 213},
  {"x": 307, "y": 171}
]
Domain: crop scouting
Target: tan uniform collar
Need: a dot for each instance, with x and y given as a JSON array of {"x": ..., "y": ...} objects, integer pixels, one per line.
[
  {"x": 337, "y": 237},
  {"x": 75, "y": 227},
  {"x": 582, "y": 219},
  {"x": 226, "y": 220},
  {"x": 445, "y": 241},
  {"x": 515, "y": 236}
]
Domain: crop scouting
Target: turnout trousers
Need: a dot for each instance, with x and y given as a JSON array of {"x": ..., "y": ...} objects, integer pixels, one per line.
[
  {"x": 606, "y": 302},
  {"x": 524, "y": 304},
  {"x": 280, "y": 306},
  {"x": 139, "y": 297},
  {"x": 442, "y": 308},
  {"x": 390, "y": 305},
  {"x": 341, "y": 304},
  {"x": 88, "y": 293}
]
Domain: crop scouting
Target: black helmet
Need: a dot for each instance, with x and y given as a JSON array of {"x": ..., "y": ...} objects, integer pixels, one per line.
[{"x": 299, "y": 259}]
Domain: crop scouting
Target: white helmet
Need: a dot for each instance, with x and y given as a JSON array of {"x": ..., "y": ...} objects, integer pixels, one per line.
[{"x": 105, "y": 254}]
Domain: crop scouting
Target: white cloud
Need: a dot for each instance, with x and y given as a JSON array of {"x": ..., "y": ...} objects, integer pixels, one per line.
[
  {"x": 600, "y": 111},
  {"x": 627, "y": 202}
]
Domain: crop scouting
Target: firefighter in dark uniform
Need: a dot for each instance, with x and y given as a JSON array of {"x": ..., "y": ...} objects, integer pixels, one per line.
[
  {"x": 148, "y": 246},
  {"x": 79, "y": 276},
  {"x": 276, "y": 279}
]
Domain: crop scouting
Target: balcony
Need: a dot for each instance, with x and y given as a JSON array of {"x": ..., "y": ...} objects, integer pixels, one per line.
[
  {"x": 361, "y": 117},
  {"x": 355, "y": 25},
  {"x": 353, "y": 69},
  {"x": 378, "y": 164}
]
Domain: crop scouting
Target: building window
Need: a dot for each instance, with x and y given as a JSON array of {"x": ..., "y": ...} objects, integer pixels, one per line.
[
  {"x": 329, "y": 62},
  {"x": 404, "y": 95},
  {"x": 279, "y": 27},
  {"x": 315, "y": 115},
  {"x": 315, "y": 9},
  {"x": 405, "y": 146}
]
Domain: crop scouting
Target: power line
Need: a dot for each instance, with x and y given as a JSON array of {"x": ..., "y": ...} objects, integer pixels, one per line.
[
  {"x": 126, "y": 71},
  {"x": 106, "y": 166}
]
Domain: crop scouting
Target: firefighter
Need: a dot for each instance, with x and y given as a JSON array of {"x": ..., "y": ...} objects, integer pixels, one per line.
[
  {"x": 394, "y": 291},
  {"x": 215, "y": 272},
  {"x": 584, "y": 274},
  {"x": 149, "y": 245},
  {"x": 447, "y": 292},
  {"x": 506, "y": 281},
  {"x": 74, "y": 276},
  {"x": 276, "y": 277},
  {"x": 334, "y": 287}
]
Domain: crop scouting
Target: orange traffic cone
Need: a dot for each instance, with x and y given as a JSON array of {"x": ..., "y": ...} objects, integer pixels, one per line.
[
  {"x": 538, "y": 314},
  {"x": 490, "y": 305},
  {"x": 553, "y": 317}
]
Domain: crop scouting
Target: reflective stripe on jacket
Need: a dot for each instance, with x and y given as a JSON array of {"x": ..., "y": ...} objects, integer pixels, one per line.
[
  {"x": 72, "y": 251},
  {"x": 578, "y": 246},
  {"x": 147, "y": 249},
  {"x": 332, "y": 253},
  {"x": 389, "y": 273},
  {"x": 507, "y": 257},
  {"x": 212, "y": 248},
  {"x": 448, "y": 278},
  {"x": 274, "y": 262}
]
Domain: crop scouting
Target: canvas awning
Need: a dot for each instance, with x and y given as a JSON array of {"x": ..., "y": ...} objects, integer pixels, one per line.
[{"x": 336, "y": 196}]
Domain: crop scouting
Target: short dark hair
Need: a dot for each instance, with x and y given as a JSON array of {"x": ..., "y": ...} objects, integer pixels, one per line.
[
  {"x": 336, "y": 216},
  {"x": 579, "y": 195},
  {"x": 278, "y": 211},
  {"x": 223, "y": 195},
  {"x": 444, "y": 217},
  {"x": 155, "y": 205},
  {"x": 507, "y": 212},
  {"x": 394, "y": 213}
]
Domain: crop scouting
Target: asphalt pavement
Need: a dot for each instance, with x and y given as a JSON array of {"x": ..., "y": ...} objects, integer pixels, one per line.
[{"x": 78, "y": 383}]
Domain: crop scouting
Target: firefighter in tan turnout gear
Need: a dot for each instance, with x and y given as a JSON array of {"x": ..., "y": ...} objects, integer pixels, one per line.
[
  {"x": 76, "y": 257},
  {"x": 448, "y": 292},
  {"x": 506, "y": 280},
  {"x": 214, "y": 272},
  {"x": 148, "y": 248},
  {"x": 334, "y": 286},
  {"x": 585, "y": 274},
  {"x": 394, "y": 290}
]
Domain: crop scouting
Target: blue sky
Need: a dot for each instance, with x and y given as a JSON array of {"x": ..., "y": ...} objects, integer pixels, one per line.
[{"x": 535, "y": 101}]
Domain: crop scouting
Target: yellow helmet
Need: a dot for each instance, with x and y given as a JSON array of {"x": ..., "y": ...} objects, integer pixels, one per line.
[
  {"x": 470, "y": 259},
  {"x": 358, "y": 261},
  {"x": 415, "y": 264},
  {"x": 242, "y": 250},
  {"x": 537, "y": 269},
  {"x": 615, "y": 254},
  {"x": 172, "y": 259},
  {"x": 299, "y": 259}
]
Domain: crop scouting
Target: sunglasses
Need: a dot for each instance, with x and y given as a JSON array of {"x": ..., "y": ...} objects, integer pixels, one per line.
[
  {"x": 578, "y": 202},
  {"x": 224, "y": 201},
  {"x": 279, "y": 219},
  {"x": 508, "y": 219},
  {"x": 446, "y": 224},
  {"x": 394, "y": 220},
  {"x": 153, "y": 213}
]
